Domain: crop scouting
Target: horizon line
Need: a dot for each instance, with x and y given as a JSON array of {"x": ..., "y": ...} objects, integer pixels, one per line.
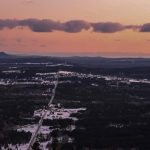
[{"x": 83, "y": 54}]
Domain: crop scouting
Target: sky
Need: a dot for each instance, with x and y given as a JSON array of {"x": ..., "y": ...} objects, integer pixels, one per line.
[{"x": 75, "y": 27}]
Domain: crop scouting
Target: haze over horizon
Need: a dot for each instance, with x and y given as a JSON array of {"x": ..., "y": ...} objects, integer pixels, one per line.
[{"x": 73, "y": 27}]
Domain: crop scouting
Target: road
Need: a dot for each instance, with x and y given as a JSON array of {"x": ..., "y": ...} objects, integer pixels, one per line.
[{"x": 34, "y": 136}]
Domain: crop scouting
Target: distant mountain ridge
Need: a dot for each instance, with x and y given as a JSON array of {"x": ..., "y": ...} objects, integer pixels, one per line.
[
  {"x": 84, "y": 61},
  {"x": 5, "y": 55}
]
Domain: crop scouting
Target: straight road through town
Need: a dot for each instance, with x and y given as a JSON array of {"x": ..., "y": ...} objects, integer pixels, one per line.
[{"x": 34, "y": 136}]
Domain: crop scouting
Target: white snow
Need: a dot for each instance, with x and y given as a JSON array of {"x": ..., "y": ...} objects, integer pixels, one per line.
[
  {"x": 59, "y": 113},
  {"x": 16, "y": 147},
  {"x": 45, "y": 74},
  {"x": 65, "y": 72},
  {"x": 45, "y": 130},
  {"x": 11, "y": 71},
  {"x": 94, "y": 84},
  {"x": 28, "y": 128},
  {"x": 52, "y": 113}
]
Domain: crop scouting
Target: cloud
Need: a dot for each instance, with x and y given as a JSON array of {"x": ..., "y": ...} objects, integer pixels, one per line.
[
  {"x": 75, "y": 26},
  {"x": 133, "y": 27},
  {"x": 112, "y": 27},
  {"x": 107, "y": 27},
  {"x": 8, "y": 23},
  {"x": 72, "y": 26},
  {"x": 36, "y": 25},
  {"x": 46, "y": 25},
  {"x": 145, "y": 28}
]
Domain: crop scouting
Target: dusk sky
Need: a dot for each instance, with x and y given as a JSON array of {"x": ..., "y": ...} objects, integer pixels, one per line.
[{"x": 75, "y": 27}]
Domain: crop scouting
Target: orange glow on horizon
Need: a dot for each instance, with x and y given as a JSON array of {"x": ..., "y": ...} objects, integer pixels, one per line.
[{"x": 135, "y": 12}]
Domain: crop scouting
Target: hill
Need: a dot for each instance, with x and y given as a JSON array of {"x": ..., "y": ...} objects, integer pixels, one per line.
[{"x": 5, "y": 55}]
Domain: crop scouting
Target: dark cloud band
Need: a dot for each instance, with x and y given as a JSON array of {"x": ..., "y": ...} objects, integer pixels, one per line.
[
  {"x": 107, "y": 27},
  {"x": 72, "y": 26},
  {"x": 145, "y": 28}
]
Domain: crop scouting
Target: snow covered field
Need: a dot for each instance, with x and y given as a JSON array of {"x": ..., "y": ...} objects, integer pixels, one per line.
[
  {"x": 55, "y": 112},
  {"x": 106, "y": 77},
  {"x": 16, "y": 147},
  {"x": 59, "y": 113}
]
